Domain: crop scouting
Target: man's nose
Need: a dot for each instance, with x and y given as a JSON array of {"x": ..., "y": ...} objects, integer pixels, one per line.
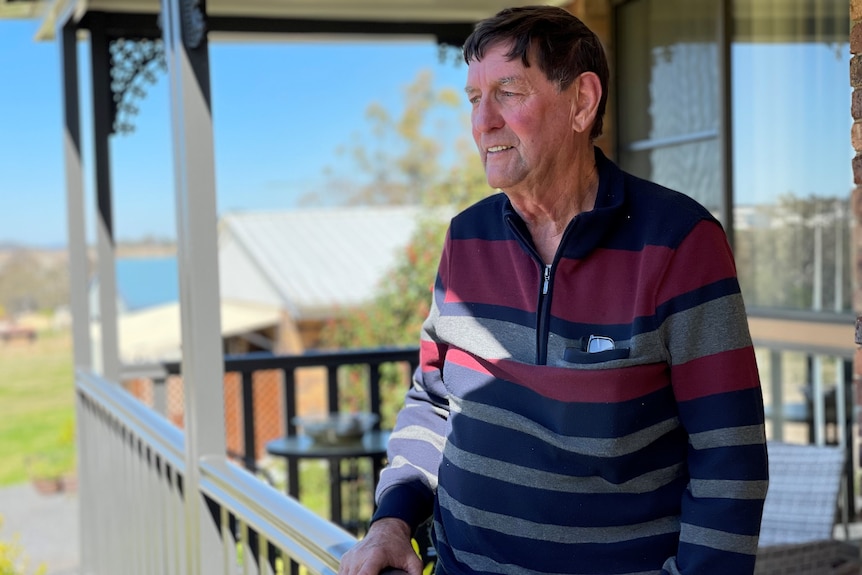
[{"x": 486, "y": 116}]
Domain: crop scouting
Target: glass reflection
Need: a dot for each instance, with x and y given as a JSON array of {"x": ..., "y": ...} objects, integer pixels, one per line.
[
  {"x": 792, "y": 170},
  {"x": 668, "y": 82}
]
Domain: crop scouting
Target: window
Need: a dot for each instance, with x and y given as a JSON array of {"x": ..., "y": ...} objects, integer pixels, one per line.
[
  {"x": 789, "y": 108},
  {"x": 668, "y": 95},
  {"x": 791, "y": 153}
]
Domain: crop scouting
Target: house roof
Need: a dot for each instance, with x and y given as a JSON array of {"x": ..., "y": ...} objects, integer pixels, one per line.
[
  {"x": 316, "y": 260},
  {"x": 153, "y": 334}
]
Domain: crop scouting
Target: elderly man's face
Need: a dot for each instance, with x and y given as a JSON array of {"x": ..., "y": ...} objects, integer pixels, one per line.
[{"x": 521, "y": 124}]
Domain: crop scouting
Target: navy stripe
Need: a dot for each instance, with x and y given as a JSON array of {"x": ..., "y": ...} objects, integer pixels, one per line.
[
  {"x": 694, "y": 298},
  {"x": 722, "y": 462},
  {"x": 533, "y": 453},
  {"x": 571, "y": 509},
  {"x": 732, "y": 409},
  {"x": 573, "y": 419},
  {"x": 619, "y": 332},
  {"x": 633, "y": 556},
  {"x": 495, "y": 312},
  {"x": 741, "y": 517},
  {"x": 474, "y": 223},
  {"x": 703, "y": 562}
]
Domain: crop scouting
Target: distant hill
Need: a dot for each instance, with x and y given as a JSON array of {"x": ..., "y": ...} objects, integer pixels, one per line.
[{"x": 37, "y": 278}]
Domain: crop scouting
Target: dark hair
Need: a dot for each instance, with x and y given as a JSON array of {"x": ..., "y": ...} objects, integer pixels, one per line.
[{"x": 563, "y": 46}]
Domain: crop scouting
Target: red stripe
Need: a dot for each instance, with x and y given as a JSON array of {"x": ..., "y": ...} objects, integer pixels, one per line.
[
  {"x": 431, "y": 355},
  {"x": 483, "y": 264},
  {"x": 610, "y": 286},
  {"x": 570, "y": 385},
  {"x": 703, "y": 258},
  {"x": 718, "y": 373}
]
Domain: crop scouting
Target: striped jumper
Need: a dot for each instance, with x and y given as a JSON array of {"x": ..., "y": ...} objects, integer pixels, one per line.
[{"x": 537, "y": 456}]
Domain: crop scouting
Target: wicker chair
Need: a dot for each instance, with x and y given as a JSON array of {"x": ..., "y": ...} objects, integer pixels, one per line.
[{"x": 796, "y": 536}]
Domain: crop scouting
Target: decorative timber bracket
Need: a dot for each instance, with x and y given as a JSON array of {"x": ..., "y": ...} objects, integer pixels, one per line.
[
  {"x": 134, "y": 63},
  {"x": 193, "y": 23}
]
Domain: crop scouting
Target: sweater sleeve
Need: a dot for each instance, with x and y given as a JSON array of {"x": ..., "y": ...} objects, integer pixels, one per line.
[
  {"x": 409, "y": 481},
  {"x": 717, "y": 388}
]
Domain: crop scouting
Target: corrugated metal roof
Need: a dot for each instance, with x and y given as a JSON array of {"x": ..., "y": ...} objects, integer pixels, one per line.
[{"x": 322, "y": 259}]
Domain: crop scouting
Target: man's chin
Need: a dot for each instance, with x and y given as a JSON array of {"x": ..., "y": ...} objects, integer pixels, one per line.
[{"x": 496, "y": 180}]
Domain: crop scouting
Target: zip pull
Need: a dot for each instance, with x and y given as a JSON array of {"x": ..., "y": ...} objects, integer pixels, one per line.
[{"x": 547, "y": 279}]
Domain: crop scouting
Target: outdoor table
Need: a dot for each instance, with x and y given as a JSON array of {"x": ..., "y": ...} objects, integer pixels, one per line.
[{"x": 294, "y": 448}]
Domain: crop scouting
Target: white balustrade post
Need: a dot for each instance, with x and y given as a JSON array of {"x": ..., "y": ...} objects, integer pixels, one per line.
[{"x": 186, "y": 49}]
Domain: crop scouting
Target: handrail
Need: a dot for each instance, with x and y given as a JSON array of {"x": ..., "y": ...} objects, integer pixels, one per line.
[
  {"x": 137, "y": 417},
  {"x": 304, "y": 536},
  {"x": 280, "y": 521}
]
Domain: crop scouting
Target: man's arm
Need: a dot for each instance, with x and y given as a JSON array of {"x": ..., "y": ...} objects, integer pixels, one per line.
[
  {"x": 405, "y": 493},
  {"x": 386, "y": 545},
  {"x": 717, "y": 388}
]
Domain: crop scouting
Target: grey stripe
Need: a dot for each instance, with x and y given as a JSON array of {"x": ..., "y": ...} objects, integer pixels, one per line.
[
  {"x": 728, "y": 489},
  {"x": 592, "y": 446},
  {"x": 721, "y": 540},
  {"x": 528, "y": 477},
  {"x": 729, "y": 437},
  {"x": 483, "y": 564},
  {"x": 419, "y": 433},
  {"x": 712, "y": 327},
  {"x": 564, "y": 534},
  {"x": 489, "y": 339},
  {"x": 400, "y": 467}
]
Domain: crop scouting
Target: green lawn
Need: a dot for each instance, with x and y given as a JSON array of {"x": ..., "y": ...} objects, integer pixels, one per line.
[
  {"x": 37, "y": 418},
  {"x": 36, "y": 404}
]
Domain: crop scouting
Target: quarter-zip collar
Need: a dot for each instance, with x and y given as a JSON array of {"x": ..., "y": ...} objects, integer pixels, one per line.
[
  {"x": 582, "y": 235},
  {"x": 585, "y": 231}
]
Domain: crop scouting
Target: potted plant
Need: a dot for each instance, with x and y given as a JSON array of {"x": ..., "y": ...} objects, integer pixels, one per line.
[
  {"x": 52, "y": 470},
  {"x": 46, "y": 472}
]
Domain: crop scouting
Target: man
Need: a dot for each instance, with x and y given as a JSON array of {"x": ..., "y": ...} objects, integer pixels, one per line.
[{"x": 588, "y": 400}]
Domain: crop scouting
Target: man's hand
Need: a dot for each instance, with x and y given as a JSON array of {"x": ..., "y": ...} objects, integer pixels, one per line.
[{"x": 387, "y": 544}]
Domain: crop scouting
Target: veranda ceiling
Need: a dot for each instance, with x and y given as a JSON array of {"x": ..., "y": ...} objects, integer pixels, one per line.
[{"x": 356, "y": 11}]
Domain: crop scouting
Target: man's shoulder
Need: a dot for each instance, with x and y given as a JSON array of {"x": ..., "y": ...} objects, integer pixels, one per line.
[
  {"x": 484, "y": 218},
  {"x": 650, "y": 196},
  {"x": 658, "y": 215}
]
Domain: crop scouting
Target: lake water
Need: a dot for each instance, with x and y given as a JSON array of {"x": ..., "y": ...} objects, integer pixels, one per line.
[{"x": 145, "y": 282}]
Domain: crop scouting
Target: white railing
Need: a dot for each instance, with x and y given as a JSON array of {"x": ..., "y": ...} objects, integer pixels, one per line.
[{"x": 132, "y": 466}]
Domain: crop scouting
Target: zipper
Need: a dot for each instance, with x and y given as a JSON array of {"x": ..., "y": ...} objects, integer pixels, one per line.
[{"x": 541, "y": 312}]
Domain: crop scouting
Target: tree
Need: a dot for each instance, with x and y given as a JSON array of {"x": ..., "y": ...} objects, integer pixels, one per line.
[
  {"x": 30, "y": 283},
  {"x": 405, "y": 167},
  {"x": 795, "y": 253},
  {"x": 400, "y": 163}
]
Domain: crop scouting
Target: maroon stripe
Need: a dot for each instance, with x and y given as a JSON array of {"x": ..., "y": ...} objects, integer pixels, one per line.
[
  {"x": 570, "y": 385},
  {"x": 723, "y": 372},
  {"x": 703, "y": 258},
  {"x": 479, "y": 279}
]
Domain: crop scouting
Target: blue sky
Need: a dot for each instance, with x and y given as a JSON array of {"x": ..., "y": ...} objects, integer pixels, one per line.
[{"x": 281, "y": 111}]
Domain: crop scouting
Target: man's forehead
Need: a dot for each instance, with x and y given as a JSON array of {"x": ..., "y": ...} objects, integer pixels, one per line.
[
  {"x": 501, "y": 80},
  {"x": 499, "y": 72}
]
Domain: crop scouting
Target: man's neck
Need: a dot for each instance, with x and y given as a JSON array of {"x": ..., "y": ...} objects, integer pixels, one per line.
[{"x": 548, "y": 214}]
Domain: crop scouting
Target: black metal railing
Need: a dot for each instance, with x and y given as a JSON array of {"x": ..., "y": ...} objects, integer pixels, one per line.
[{"x": 248, "y": 364}]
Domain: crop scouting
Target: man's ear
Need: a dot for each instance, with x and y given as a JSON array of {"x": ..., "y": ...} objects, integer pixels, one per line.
[{"x": 587, "y": 93}]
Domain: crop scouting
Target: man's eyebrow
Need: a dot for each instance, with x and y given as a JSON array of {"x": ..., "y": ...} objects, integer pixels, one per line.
[
  {"x": 508, "y": 80},
  {"x": 504, "y": 81}
]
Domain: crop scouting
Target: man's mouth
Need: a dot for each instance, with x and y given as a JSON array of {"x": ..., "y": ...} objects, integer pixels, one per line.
[{"x": 494, "y": 149}]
